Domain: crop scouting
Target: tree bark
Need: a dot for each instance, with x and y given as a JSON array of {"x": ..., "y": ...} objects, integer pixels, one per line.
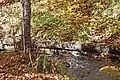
[{"x": 26, "y": 4}]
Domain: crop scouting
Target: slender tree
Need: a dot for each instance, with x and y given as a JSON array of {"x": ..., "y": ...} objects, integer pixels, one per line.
[{"x": 26, "y": 4}]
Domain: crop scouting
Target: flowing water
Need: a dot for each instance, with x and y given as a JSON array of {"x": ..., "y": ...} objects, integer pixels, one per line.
[{"x": 84, "y": 69}]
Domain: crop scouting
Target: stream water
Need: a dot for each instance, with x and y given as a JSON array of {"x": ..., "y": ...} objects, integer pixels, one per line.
[{"x": 84, "y": 69}]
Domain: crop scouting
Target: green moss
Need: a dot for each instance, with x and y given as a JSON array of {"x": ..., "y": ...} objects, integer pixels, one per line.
[{"x": 61, "y": 67}]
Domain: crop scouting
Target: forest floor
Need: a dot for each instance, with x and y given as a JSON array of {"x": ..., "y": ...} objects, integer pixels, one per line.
[{"x": 14, "y": 66}]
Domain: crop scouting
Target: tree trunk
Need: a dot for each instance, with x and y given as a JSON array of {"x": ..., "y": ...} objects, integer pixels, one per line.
[{"x": 26, "y": 4}]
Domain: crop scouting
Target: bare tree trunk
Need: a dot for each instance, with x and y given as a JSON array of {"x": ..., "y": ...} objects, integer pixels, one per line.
[{"x": 26, "y": 4}]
